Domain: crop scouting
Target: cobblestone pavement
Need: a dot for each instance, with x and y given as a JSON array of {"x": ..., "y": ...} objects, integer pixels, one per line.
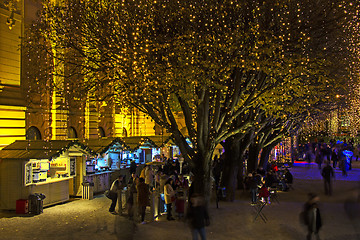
[{"x": 90, "y": 219}]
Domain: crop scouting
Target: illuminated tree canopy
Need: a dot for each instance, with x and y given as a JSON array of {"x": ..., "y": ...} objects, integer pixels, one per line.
[{"x": 213, "y": 61}]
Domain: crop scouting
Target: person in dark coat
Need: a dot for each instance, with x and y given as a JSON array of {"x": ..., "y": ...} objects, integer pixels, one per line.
[
  {"x": 253, "y": 184},
  {"x": 328, "y": 173},
  {"x": 334, "y": 157},
  {"x": 142, "y": 198},
  {"x": 288, "y": 176},
  {"x": 133, "y": 167},
  {"x": 198, "y": 216},
  {"x": 130, "y": 197},
  {"x": 312, "y": 216}
]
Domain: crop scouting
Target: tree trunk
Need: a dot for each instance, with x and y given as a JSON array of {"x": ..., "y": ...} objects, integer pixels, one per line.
[
  {"x": 233, "y": 173},
  {"x": 230, "y": 168},
  {"x": 252, "y": 163},
  {"x": 264, "y": 157}
]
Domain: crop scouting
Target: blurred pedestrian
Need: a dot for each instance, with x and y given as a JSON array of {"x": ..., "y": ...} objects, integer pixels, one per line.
[
  {"x": 198, "y": 217},
  {"x": 312, "y": 216},
  {"x": 328, "y": 174},
  {"x": 115, "y": 188},
  {"x": 133, "y": 167},
  {"x": 318, "y": 157},
  {"x": 130, "y": 198},
  {"x": 169, "y": 195},
  {"x": 334, "y": 157},
  {"x": 142, "y": 198}
]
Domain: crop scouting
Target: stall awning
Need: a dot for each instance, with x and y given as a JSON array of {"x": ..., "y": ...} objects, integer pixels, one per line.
[
  {"x": 38, "y": 149},
  {"x": 161, "y": 140},
  {"x": 102, "y": 145}
]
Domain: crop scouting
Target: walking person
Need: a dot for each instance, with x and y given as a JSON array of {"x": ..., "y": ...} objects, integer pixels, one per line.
[
  {"x": 318, "y": 158},
  {"x": 115, "y": 188},
  {"x": 142, "y": 198},
  {"x": 328, "y": 174},
  {"x": 334, "y": 157},
  {"x": 312, "y": 217},
  {"x": 169, "y": 195},
  {"x": 198, "y": 217}
]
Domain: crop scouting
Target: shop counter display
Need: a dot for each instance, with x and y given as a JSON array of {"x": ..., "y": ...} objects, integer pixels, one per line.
[{"x": 101, "y": 180}]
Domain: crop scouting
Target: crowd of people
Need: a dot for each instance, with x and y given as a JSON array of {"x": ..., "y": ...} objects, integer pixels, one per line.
[
  {"x": 173, "y": 189},
  {"x": 262, "y": 181},
  {"x": 165, "y": 179},
  {"x": 339, "y": 154}
]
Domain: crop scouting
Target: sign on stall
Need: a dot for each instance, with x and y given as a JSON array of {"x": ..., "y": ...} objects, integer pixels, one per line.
[
  {"x": 28, "y": 173},
  {"x": 72, "y": 166}
]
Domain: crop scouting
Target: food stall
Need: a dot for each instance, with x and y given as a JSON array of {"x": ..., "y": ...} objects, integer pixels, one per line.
[
  {"x": 110, "y": 157},
  {"x": 53, "y": 168},
  {"x": 166, "y": 145},
  {"x": 143, "y": 149}
]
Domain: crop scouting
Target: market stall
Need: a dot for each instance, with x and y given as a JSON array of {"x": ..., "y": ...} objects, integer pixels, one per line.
[
  {"x": 166, "y": 145},
  {"x": 53, "y": 168},
  {"x": 110, "y": 157},
  {"x": 143, "y": 149}
]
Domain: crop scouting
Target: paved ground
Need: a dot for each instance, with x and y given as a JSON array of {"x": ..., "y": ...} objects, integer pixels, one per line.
[{"x": 83, "y": 219}]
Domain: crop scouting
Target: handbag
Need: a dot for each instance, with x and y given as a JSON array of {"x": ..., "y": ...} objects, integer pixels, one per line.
[{"x": 108, "y": 194}]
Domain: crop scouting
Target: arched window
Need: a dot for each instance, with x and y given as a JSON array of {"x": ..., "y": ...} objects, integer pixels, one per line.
[
  {"x": 101, "y": 132},
  {"x": 72, "y": 133},
  {"x": 33, "y": 133}
]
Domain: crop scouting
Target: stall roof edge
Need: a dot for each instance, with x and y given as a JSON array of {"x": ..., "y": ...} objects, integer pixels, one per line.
[
  {"x": 38, "y": 149},
  {"x": 101, "y": 145},
  {"x": 156, "y": 141}
]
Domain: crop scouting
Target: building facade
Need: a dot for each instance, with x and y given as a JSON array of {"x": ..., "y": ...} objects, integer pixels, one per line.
[{"x": 33, "y": 109}]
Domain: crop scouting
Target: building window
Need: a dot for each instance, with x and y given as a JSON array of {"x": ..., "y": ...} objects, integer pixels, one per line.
[
  {"x": 33, "y": 133},
  {"x": 71, "y": 134}
]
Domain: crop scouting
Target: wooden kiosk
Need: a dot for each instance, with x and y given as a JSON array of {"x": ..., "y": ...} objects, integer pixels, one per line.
[
  {"x": 52, "y": 168},
  {"x": 109, "y": 159}
]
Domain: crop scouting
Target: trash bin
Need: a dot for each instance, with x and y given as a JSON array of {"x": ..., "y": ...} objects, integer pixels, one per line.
[
  {"x": 22, "y": 206},
  {"x": 36, "y": 203},
  {"x": 87, "y": 190}
]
